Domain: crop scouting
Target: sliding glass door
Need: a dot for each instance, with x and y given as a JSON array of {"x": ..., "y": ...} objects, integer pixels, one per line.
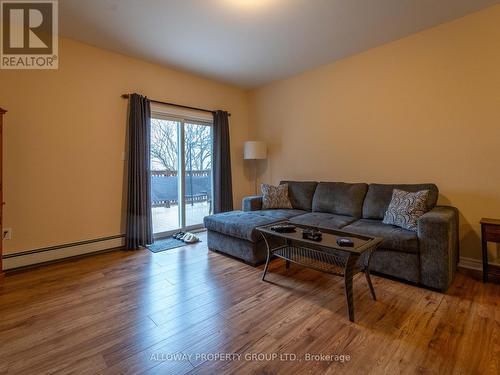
[{"x": 181, "y": 173}]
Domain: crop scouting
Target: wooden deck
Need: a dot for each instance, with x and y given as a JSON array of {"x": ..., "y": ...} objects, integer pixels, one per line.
[
  {"x": 167, "y": 218},
  {"x": 173, "y": 312}
]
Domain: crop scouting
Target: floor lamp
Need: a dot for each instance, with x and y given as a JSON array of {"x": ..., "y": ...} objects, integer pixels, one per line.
[{"x": 255, "y": 150}]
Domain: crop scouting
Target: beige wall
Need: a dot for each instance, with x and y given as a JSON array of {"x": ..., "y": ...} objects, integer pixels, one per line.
[
  {"x": 425, "y": 108},
  {"x": 65, "y": 135}
]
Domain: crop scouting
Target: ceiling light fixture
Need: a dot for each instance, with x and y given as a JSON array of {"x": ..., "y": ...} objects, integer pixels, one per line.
[{"x": 248, "y": 4}]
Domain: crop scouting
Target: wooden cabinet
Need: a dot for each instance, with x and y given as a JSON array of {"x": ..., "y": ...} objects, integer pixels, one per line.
[
  {"x": 2, "y": 112},
  {"x": 490, "y": 232}
]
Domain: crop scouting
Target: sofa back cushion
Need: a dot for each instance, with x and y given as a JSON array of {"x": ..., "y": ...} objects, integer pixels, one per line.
[
  {"x": 301, "y": 193},
  {"x": 340, "y": 198},
  {"x": 379, "y": 196}
]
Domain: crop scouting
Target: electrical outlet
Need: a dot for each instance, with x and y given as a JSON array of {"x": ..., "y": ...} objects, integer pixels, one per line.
[{"x": 7, "y": 234}]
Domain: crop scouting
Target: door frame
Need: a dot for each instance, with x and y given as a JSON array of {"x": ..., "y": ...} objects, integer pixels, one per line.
[{"x": 181, "y": 175}]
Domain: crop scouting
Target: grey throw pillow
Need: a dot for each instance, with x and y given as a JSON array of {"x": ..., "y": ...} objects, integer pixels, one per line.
[
  {"x": 275, "y": 196},
  {"x": 406, "y": 208}
]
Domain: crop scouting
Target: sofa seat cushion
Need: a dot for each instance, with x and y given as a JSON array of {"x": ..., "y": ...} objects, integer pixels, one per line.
[
  {"x": 395, "y": 238},
  {"x": 241, "y": 224},
  {"x": 322, "y": 219},
  {"x": 238, "y": 224},
  {"x": 281, "y": 214}
]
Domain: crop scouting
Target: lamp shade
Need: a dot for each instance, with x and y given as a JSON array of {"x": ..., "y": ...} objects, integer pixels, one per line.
[{"x": 255, "y": 150}]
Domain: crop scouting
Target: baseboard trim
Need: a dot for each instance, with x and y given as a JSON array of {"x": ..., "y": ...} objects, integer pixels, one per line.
[
  {"x": 470, "y": 263},
  {"x": 58, "y": 252},
  {"x": 474, "y": 268},
  {"x": 474, "y": 264}
]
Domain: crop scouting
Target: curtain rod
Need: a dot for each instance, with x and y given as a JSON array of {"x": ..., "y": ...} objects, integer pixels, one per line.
[{"x": 126, "y": 96}]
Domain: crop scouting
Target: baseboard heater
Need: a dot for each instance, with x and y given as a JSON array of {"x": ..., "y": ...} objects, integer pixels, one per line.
[{"x": 64, "y": 251}]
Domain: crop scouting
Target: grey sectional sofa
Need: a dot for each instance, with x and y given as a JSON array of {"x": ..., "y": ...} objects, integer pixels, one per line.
[{"x": 427, "y": 257}]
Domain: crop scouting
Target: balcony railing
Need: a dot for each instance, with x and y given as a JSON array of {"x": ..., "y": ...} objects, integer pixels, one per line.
[
  {"x": 164, "y": 187},
  {"x": 204, "y": 173}
]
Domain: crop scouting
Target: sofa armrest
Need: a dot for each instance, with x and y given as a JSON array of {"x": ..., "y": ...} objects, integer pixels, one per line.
[
  {"x": 252, "y": 203},
  {"x": 438, "y": 242}
]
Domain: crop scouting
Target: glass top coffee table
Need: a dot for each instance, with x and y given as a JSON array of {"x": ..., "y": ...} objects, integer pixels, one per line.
[{"x": 325, "y": 255}]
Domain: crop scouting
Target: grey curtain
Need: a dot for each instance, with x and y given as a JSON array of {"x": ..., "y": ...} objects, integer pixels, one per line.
[
  {"x": 223, "y": 187},
  {"x": 139, "y": 230}
]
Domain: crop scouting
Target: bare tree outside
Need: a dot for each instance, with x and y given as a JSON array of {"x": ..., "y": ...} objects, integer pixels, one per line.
[
  {"x": 164, "y": 146},
  {"x": 198, "y": 147}
]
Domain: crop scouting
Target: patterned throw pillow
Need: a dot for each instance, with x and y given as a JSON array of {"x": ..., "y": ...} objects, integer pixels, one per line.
[
  {"x": 275, "y": 196},
  {"x": 406, "y": 208}
]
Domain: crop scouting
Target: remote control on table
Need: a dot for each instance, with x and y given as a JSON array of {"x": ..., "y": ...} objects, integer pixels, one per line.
[
  {"x": 283, "y": 228},
  {"x": 346, "y": 242}
]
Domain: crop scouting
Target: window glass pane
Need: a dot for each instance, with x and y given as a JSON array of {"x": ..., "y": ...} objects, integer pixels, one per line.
[
  {"x": 165, "y": 175},
  {"x": 198, "y": 176}
]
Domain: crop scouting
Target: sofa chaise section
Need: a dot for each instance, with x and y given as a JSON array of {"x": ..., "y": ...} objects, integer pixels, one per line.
[{"x": 234, "y": 232}]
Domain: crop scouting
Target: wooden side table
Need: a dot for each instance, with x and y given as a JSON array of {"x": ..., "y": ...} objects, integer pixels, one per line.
[{"x": 490, "y": 232}]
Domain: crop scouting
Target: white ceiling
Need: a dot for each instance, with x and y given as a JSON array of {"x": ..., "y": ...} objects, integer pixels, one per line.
[{"x": 251, "y": 42}]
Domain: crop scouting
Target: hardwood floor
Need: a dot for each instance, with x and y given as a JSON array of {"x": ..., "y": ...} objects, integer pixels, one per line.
[{"x": 138, "y": 312}]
